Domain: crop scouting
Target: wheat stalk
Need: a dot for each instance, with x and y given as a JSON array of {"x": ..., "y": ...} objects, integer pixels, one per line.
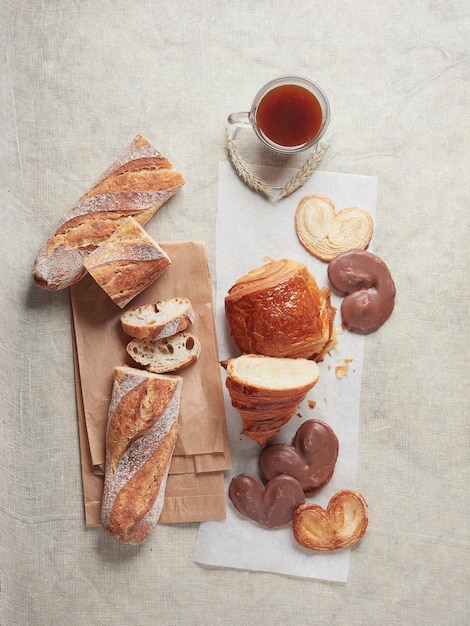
[
  {"x": 243, "y": 170},
  {"x": 305, "y": 171},
  {"x": 260, "y": 186}
]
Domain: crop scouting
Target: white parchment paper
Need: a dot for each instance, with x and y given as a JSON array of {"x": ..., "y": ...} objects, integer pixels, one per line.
[{"x": 250, "y": 229}]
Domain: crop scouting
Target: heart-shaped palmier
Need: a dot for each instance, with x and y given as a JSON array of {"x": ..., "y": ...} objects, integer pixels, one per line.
[
  {"x": 325, "y": 234},
  {"x": 310, "y": 459},
  {"x": 272, "y": 505},
  {"x": 341, "y": 525}
]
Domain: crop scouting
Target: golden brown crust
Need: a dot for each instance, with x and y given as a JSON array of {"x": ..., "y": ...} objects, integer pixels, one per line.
[
  {"x": 137, "y": 184},
  {"x": 140, "y": 439},
  {"x": 126, "y": 263},
  {"x": 341, "y": 525},
  {"x": 134, "y": 501},
  {"x": 146, "y": 174},
  {"x": 278, "y": 310},
  {"x": 135, "y": 414}
]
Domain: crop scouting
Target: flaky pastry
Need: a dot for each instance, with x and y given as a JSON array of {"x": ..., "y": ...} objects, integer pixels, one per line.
[
  {"x": 325, "y": 234},
  {"x": 341, "y": 525},
  {"x": 266, "y": 391},
  {"x": 279, "y": 310}
]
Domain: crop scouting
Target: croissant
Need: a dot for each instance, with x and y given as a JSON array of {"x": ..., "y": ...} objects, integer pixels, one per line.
[
  {"x": 278, "y": 310},
  {"x": 266, "y": 391},
  {"x": 137, "y": 184}
]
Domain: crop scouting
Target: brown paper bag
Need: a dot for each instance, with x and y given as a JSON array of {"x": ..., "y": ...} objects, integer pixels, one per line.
[{"x": 195, "y": 490}]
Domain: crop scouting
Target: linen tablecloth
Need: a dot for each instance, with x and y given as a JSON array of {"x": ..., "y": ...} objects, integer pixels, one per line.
[{"x": 79, "y": 79}]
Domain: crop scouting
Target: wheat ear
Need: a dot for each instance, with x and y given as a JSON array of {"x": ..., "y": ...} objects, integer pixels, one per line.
[
  {"x": 305, "y": 172},
  {"x": 244, "y": 172}
]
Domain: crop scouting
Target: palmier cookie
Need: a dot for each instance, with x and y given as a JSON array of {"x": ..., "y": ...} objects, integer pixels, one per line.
[
  {"x": 341, "y": 525},
  {"x": 271, "y": 505},
  {"x": 325, "y": 234}
]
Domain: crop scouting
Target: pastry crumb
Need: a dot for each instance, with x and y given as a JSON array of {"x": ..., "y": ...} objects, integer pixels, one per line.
[
  {"x": 341, "y": 371},
  {"x": 312, "y": 404}
]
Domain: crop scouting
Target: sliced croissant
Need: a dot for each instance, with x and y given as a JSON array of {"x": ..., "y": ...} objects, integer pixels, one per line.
[{"x": 266, "y": 391}]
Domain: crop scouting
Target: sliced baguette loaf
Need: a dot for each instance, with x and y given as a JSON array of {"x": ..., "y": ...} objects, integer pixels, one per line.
[
  {"x": 141, "y": 435},
  {"x": 138, "y": 183},
  {"x": 158, "y": 319},
  {"x": 165, "y": 355},
  {"x": 127, "y": 262}
]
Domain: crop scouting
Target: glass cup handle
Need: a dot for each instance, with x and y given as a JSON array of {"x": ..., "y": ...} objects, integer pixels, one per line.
[{"x": 239, "y": 119}]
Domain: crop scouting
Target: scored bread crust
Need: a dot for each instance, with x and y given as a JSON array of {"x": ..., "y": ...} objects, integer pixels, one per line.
[
  {"x": 126, "y": 263},
  {"x": 278, "y": 310},
  {"x": 158, "y": 320},
  {"x": 169, "y": 354},
  {"x": 341, "y": 525},
  {"x": 141, "y": 436},
  {"x": 266, "y": 391},
  {"x": 137, "y": 183}
]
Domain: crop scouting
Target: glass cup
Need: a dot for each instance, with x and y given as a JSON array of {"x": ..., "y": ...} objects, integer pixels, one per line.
[{"x": 289, "y": 114}]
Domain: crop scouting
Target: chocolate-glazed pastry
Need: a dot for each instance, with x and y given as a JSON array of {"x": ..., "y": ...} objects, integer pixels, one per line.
[
  {"x": 310, "y": 459},
  {"x": 369, "y": 288},
  {"x": 272, "y": 505}
]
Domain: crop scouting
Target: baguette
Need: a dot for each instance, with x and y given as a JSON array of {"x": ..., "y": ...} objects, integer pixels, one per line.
[
  {"x": 266, "y": 391},
  {"x": 170, "y": 354},
  {"x": 158, "y": 319},
  {"x": 126, "y": 263},
  {"x": 141, "y": 434},
  {"x": 138, "y": 183}
]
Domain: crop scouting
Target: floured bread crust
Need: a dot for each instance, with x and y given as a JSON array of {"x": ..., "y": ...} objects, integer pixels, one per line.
[
  {"x": 126, "y": 263},
  {"x": 137, "y": 184},
  {"x": 140, "y": 439}
]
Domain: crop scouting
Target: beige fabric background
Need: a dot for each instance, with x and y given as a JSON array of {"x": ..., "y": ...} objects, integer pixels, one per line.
[{"x": 78, "y": 80}]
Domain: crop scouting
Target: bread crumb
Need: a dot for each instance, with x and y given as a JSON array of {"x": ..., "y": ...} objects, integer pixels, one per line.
[
  {"x": 341, "y": 371},
  {"x": 312, "y": 404}
]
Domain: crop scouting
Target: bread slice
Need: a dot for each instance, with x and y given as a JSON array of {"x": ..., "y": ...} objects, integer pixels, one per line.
[
  {"x": 266, "y": 391},
  {"x": 158, "y": 319},
  {"x": 126, "y": 263},
  {"x": 165, "y": 355}
]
